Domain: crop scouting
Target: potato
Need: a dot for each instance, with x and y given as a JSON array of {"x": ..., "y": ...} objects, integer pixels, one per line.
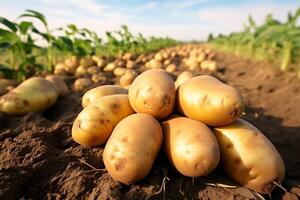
[
  {"x": 248, "y": 157},
  {"x": 33, "y": 95},
  {"x": 87, "y": 62},
  {"x": 105, "y": 90},
  {"x": 59, "y": 83},
  {"x": 59, "y": 69},
  {"x": 184, "y": 76},
  {"x": 153, "y": 92},
  {"x": 80, "y": 71},
  {"x": 99, "y": 78},
  {"x": 95, "y": 123},
  {"x": 72, "y": 62},
  {"x": 119, "y": 71},
  {"x": 191, "y": 146},
  {"x": 158, "y": 57},
  {"x": 206, "y": 99},
  {"x": 110, "y": 67},
  {"x": 131, "y": 150},
  {"x": 82, "y": 84},
  {"x": 130, "y": 64},
  {"x": 128, "y": 78},
  {"x": 154, "y": 64},
  {"x": 93, "y": 70},
  {"x": 171, "y": 68}
]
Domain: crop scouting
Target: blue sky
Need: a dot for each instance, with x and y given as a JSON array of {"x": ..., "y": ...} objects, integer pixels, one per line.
[{"x": 184, "y": 20}]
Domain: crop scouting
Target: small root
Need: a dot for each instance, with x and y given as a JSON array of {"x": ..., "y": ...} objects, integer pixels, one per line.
[
  {"x": 162, "y": 187},
  {"x": 89, "y": 165},
  {"x": 257, "y": 195},
  {"x": 280, "y": 186},
  {"x": 221, "y": 185},
  {"x": 85, "y": 172}
]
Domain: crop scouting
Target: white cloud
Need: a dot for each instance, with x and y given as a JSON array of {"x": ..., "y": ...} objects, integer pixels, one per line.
[
  {"x": 147, "y": 6},
  {"x": 228, "y": 19},
  {"x": 187, "y": 4}
]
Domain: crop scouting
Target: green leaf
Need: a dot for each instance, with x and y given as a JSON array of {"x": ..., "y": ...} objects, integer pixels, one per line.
[
  {"x": 25, "y": 26},
  {"x": 36, "y": 15},
  {"x": 8, "y": 24}
]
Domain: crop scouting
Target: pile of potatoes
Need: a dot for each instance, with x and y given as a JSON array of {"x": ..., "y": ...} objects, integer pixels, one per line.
[
  {"x": 194, "y": 119},
  {"x": 125, "y": 68}
]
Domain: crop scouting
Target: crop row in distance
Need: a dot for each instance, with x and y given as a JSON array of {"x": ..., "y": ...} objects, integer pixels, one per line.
[
  {"x": 26, "y": 50},
  {"x": 273, "y": 41}
]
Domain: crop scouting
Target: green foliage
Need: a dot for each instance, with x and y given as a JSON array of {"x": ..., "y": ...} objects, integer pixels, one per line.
[
  {"x": 22, "y": 54},
  {"x": 272, "y": 41}
]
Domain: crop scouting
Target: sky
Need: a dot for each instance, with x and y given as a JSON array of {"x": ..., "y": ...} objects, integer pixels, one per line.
[{"x": 180, "y": 19}]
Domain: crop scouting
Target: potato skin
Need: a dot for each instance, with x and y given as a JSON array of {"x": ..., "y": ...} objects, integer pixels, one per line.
[
  {"x": 153, "y": 92},
  {"x": 184, "y": 76},
  {"x": 59, "y": 83},
  {"x": 191, "y": 146},
  {"x": 206, "y": 99},
  {"x": 101, "y": 91},
  {"x": 131, "y": 150},
  {"x": 95, "y": 123},
  {"x": 248, "y": 157},
  {"x": 33, "y": 95}
]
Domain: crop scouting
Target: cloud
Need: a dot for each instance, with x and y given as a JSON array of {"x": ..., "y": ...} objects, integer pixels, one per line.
[
  {"x": 228, "y": 19},
  {"x": 188, "y": 4},
  {"x": 147, "y": 6}
]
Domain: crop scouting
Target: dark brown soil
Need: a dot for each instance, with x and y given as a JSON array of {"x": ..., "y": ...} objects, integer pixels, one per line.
[{"x": 39, "y": 160}]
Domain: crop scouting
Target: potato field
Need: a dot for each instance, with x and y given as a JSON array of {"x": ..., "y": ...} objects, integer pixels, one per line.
[{"x": 133, "y": 117}]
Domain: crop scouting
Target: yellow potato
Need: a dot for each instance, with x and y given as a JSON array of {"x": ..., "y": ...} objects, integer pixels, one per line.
[
  {"x": 87, "y": 62},
  {"x": 110, "y": 67},
  {"x": 95, "y": 123},
  {"x": 80, "y": 71},
  {"x": 104, "y": 90},
  {"x": 82, "y": 84},
  {"x": 93, "y": 70},
  {"x": 184, "y": 76},
  {"x": 119, "y": 71},
  {"x": 128, "y": 78},
  {"x": 206, "y": 99},
  {"x": 61, "y": 87},
  {"x": 171, "y": 68},
  {"x": 191, "y": 146},
  {"x": 131, "y": 150},
  {"x": 248, "y": 157},
  {"x": 33, "y": 95},
  {"x": 99, "y": 78},
  {"x": 153, "y": 92}
]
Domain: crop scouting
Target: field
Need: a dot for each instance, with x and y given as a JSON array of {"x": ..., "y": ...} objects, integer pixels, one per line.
[{"x": 40, "y": 157}]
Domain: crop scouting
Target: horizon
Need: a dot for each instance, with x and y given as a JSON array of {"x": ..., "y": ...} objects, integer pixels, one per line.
[{"x": 181, "y": 20}]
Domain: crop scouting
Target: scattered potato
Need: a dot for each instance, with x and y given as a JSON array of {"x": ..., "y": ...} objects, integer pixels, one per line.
[
  {"x": 158, "y": 57},
  {"x": 87, "y": 62},
  {"x": 154, "y": 64},
  {"x": 191, "y": 146},
  {"x": 99, "y": 78},
  {"x": 248, "y": 157},
  {"x": 206, "y": 99},
  {"x": 132, "y": 148},
  {"x": 95, "y": 123},
  {"x": 171, "y": 68},
  {"x": 82, "y": 84},
  {"x": 93, "y": 70},
  {"x": 184, "y": 76},
  {"x": 153, "y": 92},
  {"x": 33, "y": 95},
  {"x": 110, "y": 67},
  {"x": 119, "y": 71},
  {"x": 81, "y": 71},
  {"x": 59, "y": 83},
  {"x": 96, "y": 93},
  {"x": 128, "y": 78},
  {"x": 59, "y": 69},
  {"x": 130, "y": 64}
]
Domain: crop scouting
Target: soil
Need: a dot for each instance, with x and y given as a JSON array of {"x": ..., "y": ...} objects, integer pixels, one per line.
[{"x": 39, "y": 159}]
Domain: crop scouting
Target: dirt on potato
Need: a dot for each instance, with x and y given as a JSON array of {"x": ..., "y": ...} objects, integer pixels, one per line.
[{"x": 39, "y": 159}]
